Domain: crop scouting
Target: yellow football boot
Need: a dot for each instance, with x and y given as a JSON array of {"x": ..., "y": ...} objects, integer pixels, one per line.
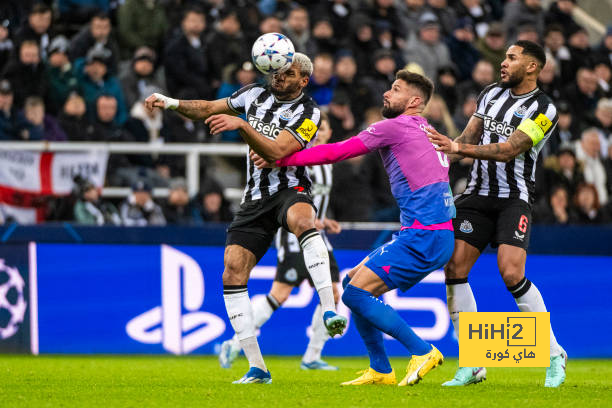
[
  {"x": 421, "y": 365},
  {"x": 370, "y": 376}
]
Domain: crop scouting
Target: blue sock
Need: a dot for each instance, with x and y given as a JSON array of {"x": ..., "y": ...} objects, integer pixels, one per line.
[
  {"x": 384, "y": 318},
  {"x": 345, "y": 281}
]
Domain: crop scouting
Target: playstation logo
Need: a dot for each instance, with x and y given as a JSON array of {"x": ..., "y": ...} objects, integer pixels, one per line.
[{"x": 182, "y": 290}]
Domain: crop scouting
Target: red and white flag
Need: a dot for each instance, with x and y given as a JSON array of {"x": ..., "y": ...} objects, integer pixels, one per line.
[{"x": 26, "y": 178}]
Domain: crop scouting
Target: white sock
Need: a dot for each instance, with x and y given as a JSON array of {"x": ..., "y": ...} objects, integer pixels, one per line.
[
  {"x": 263, "y": 307},
  {"x": 316, "y": 259},
  {"x": 459, "y": 298},
  {"x": 318, "y": 337},
  {"x": 238, "y": 306},
  {"x": 529, "y": 299}
]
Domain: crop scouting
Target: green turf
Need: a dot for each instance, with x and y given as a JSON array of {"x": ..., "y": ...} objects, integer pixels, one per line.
[{"x": 50, "y": 381}]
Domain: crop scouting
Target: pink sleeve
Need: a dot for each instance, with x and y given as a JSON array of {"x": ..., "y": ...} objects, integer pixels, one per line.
[{"x": 325, "y": 154}]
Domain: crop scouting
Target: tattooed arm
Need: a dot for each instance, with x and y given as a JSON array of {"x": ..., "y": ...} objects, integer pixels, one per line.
[
  {"x": 470, "y": 135},
  {"x": 517, "y": 143},
  {"x": 195, "y": 110}
]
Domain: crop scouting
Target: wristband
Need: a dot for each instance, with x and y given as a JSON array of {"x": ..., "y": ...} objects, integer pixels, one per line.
[{"x": 169, "y": 103}]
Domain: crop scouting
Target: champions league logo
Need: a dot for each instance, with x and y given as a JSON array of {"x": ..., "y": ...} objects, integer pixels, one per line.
[{"x": 12, "y": 301}]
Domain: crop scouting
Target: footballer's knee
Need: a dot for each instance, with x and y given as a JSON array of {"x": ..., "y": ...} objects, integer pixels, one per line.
[
  {"x": 300, "y": 218},
  {"x": 280, "y": 294},
  {"x": 238, "y": 263},
  {"x": 512, "y": 273},
  {"x": 455, "y": 270}
]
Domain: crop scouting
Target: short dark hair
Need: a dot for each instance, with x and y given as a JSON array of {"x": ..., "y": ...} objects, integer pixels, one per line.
[
  {"x": 534, "y": 50},
  {"x": 193, "y": 9},
  {"x": 421, "y": 82}
]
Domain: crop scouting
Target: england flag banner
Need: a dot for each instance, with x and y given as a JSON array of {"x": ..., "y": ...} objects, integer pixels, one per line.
[{"x": 27, "y": 177}]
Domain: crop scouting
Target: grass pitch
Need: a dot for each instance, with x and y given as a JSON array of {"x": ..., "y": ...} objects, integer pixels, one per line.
[{"x": 99, "y": 381}]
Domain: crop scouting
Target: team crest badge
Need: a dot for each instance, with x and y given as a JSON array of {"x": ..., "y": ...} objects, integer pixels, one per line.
[
  {"x": 466, "y": 227},
  {"x": 286, "y": 114},
  {"x": 520, "y": 112}
]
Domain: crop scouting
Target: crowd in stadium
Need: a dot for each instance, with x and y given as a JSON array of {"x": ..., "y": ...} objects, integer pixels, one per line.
[{"x": 79, "y": 71}]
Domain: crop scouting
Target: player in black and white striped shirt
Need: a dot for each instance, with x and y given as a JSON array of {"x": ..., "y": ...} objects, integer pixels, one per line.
[
  {"x": 512, "y": 122},
  {"x": 288, "y": 120},
  {"x": 291, "y": 270}
]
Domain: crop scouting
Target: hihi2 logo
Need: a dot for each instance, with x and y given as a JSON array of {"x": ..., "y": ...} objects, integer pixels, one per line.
[{"x": 514, "y": 339}]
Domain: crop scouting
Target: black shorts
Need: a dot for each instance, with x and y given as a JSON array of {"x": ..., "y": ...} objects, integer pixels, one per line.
[
  {"x": 256, "y": 223},
  {"x": 483, "y": 220},
  {"x": 292, "y": 270}
]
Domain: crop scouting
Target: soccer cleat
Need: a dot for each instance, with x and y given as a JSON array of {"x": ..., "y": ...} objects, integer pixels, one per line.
[
  {"x": 371, "y": 376},
  {"x": 334, "y": 323},
  {"x": 467, "y": 376},
  {"x": 421, "y": 365},
  {"x": 317, "y": 365},
  {"x": 555, "y": 374},
  {"x": 255, "y": 376},
  {"x": 229, "y": 352}
]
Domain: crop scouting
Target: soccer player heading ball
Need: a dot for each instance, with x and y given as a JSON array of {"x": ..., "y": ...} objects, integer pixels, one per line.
[
  {"x": 281, "y": 120},
  {"x": 512, "y": 122}
]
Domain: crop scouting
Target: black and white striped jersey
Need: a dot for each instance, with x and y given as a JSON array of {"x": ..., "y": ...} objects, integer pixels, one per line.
[
  {"x": 503, "y": 113},
  {"x": 321, "y": 176},
  {"x": 269, "y": 116}
]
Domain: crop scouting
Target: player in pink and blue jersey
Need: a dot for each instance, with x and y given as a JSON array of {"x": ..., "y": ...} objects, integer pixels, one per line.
[{"x": 418, "y": 175}]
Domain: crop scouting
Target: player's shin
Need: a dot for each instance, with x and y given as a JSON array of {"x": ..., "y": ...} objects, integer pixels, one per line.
[
  {"x": 529, "y": 299},
  {"x": 316, "y": 259},
  {"x": 238, "y": 306},
  {"x": 318, "y": 337},
  {"x": 459, "y": 298}
]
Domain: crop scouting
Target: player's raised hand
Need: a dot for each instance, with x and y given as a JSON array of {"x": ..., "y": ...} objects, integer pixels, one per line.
[
  {"x": 259, "y": 162},
  {"x": 158, "y": 100},
  {"x": 223, "y": 123},
  {"x": 441, "y": 142}
]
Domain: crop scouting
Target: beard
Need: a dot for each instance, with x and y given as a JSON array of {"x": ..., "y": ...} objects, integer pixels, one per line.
[
  {"x": 284, "y": 93},
  {"x": 513, "y": 80},
  {"x": 389, "y": 112}
]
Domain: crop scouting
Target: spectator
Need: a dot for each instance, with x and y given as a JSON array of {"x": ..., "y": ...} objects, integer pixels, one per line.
[
  {"x": 604, "y": 50},
  {"x": 9, "y": 123},
  {"x": 438, "y": 116},
  {"x": 95, "y": 80},
  {"x": 140, "y": 75},
  {"x": 36, "y": 28},
  {"x": 269, "y": 24},
  {"x": 568, "y": 172},
  {"x": 587, "y": 206},
  {"x": 81, "y": 11},
  {"x": 105, "y": 127},
  {"x": 297, "y": 29},
  {"x": 185, "y": 61},
  {"x": 214, "y": 207},
  {"x": 409, "y": 12},
  {"x": 482, "y": 75},
  {"x": 478, "y": 11},
  {"x": 528, "y": 32},
  {"x": 73, "y": 119},
  {"x": 426, "y": 48},
  {"x": 60, "y": 76},
  {"x": 181, "y": 129},
  {"x": 384, "y": 74},
  {"x": 446, "y": 86},
  {"x": 446, "y": 16},
  {"x": 466, "y": 110},
  {"x": 40, "y": 126},
  {"x": 603, "y": 72},
  {"x": 339, "y": 13},
  {"x": 492, "y": 47},
  {"x": 602, "y": 121},
  {"x": 461, "y": 47},
  {"x": 139, "y": 209},
  {"x": 588, "y": 151},
  {"x": 341, "y": 118},
  {"x": 554, "y": 44},
  {"x": 178, "y": 209},
  {"x": 322, "y": 83},
  {"x": 149, "y": 122},
  {"x": 141, "y": 22},
  {"x": 89, "y": 209},
  {"x": 560, "y": 12},
  {"x": 6, "y": 44},
  {"x": 554, "y": 209},
  {"x": 98, "y": 33},
  {"x": 323, "y": 34},
  {"x": 548, "y": 81},
  {"x": 362, "y": 44},
  {"x": 345, "y": 71},
  {"x": 387, "y": 17},
  {"x": 580, "y": 50},
  {"x": 235, "y": 48},
  {"x": 522, "y": 13},
  {"x": 26, "y": 73},
  {"x": 583, "y": 94}
]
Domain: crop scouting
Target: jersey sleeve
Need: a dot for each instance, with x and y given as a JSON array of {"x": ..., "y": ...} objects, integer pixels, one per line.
[
  {"x": 378, "y": 135},
  {"x": 540, "y": 123},
  {"x": 238, "y": 100},
  {"x": 482, "y": 101},
  {"x": 304, "y": 123}
]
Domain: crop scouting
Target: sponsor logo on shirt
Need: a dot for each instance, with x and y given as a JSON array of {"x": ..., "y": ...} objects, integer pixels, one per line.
[
  {"x": 267, "y": 129},
  {"x": 500, "y": 128}
]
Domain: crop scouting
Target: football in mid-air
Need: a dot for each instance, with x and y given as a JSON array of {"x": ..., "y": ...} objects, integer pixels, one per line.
[{"x": 272, "y": 52}]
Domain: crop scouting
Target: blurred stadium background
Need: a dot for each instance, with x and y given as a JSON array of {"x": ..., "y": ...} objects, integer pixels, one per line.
[{"x": 112, "y": 220}]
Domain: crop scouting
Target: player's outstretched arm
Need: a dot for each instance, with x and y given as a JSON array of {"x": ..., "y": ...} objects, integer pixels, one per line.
[
  {"x": 193, "y": 109},
  {"x": 269, "y": 149},
  {"x": 325, "y": 154},
  {"x": 470, "y": 135},
  {"x": 517, "y": 143}
]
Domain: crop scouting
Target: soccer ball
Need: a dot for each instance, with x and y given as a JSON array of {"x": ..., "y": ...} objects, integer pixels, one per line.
[
  {"x": 272, "y": 52},
  {"x": 12, "y": 302}
]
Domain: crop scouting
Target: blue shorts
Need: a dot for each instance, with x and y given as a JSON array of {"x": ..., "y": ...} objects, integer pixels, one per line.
[{"x": 410, "y": 256}]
